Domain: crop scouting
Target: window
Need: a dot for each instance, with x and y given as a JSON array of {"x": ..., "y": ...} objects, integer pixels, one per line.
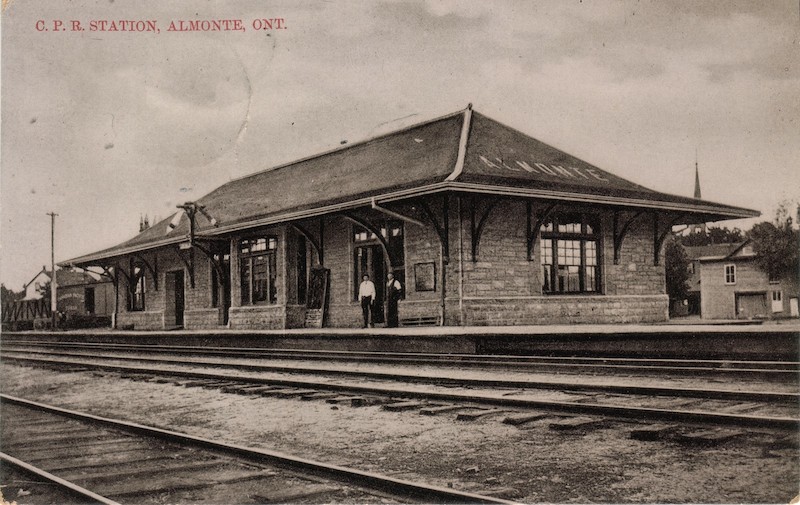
[
  {"x": 730, "y": 274},
  {"x": 258, "y": 270},
  {"x": 569, "y": 254},
  {"x": 137, "y": 290},
  {"x": 777, "y": 301},
  {"x": 774, "y": 278}
]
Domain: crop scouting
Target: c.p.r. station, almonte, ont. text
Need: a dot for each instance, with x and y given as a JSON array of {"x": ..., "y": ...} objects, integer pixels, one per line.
[{"x": 152, "y": 25}]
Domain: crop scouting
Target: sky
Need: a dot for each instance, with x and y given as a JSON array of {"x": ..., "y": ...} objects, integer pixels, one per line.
[{"x": 104, "y": 127}]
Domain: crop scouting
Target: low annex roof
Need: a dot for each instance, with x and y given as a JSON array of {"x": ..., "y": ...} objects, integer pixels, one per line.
[{"x": 464, "y": 151}]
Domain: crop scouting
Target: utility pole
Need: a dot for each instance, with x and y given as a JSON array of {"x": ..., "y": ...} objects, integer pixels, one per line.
[{"x": 53, "y": 283}]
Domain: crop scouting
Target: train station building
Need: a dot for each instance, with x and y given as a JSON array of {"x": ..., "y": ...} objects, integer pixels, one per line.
[{"x": 482, "y": 224}]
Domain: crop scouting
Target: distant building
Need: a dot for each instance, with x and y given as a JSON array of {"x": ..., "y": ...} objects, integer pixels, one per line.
[
  {"x": 726, "y": 283},
  {"x": 77, "y": 292},
  {"x": 33, "y": 286},
  {"x": 82, "y": 294}
]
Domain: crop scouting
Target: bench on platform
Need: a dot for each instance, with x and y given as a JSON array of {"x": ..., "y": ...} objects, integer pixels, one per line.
[{"x": 420, "y": 321}]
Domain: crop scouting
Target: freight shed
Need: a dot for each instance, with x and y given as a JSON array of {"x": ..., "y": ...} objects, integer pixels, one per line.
[{"x": 482, "y": 224}]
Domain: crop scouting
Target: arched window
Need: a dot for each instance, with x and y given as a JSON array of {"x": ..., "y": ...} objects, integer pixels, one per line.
[{"x": 570, "y": 254}]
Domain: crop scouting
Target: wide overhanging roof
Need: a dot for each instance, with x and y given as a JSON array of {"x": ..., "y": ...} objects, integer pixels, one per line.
[{"x": 464, "y": 151}]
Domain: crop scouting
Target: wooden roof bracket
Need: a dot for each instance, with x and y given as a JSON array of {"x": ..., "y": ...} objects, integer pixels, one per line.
[
  {"x": 476, "y": 229},
  {"x": 620, "y": 232},
  {"x": 375, "y": 231},
  {"x": 316, "y": 244},
  {"x": 152, "y": 268},
  {"x": 443, "y": 230},
  {"x": 535, "y": 228},
  {"x": 217, "y": 265},
  {"x": 658, "y": 239}
]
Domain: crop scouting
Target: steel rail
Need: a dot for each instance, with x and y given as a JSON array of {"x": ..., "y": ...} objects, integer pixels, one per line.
[
  {"x": 503, "y": 401},
  {"x": 719, "y": 394},
  {"x": 69, "y": 486},
  {"x": 665, "y": 364},
  {"x": 383, "y": 483}
]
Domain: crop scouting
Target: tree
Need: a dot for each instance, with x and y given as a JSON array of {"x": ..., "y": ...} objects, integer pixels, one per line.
[
  {"x": 44, "y": 290},
  {"x": 676, "y": 264},
  {"x": 713, "y": 235},
  {"x": 9, "y": 295},
  {"x": 776, "y": 245}
]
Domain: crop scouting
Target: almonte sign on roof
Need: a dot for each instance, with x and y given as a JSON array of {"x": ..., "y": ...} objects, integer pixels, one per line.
[
  {"x": 569, "y": 172},
  {"x": 464, "y": 152}
]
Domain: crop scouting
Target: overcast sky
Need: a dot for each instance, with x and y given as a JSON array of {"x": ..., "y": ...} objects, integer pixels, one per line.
[{"x": 102, "y": 127}]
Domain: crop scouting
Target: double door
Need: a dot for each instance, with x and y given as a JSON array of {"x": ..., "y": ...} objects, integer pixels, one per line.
[{"x": 369, "y": 260}]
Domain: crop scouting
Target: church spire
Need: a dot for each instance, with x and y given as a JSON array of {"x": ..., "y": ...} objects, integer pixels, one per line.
[
  {"x": 702, "y": 226},
  {"x": 696, "y": 180}
]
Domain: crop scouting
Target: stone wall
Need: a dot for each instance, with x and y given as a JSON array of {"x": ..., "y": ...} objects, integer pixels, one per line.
[{"x": 602, "y": 309}]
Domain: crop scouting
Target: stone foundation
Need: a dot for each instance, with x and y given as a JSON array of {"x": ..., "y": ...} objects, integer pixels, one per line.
[
  {"x": 196, "y": 319},
  {"x": 258, "y": 317},
  {"x": 152, "y": 320},
  {"x": 602, "y": 309}
]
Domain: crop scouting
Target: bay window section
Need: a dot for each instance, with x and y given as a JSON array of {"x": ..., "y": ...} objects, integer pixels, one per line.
[
  {"x": 258, "y": 270},
  {"x": 569, "y": 254}
]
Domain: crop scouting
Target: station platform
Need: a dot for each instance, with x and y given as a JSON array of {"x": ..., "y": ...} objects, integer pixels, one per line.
[{"x": 726, "y": 340}]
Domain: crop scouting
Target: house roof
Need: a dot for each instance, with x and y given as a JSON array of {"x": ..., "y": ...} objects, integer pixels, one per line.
[
  {"x": 464, "y": 151},
  {"x": 41, "y": 272},
  {"x": 718, "y": 252},
  {"x": 64, "y": 277}
]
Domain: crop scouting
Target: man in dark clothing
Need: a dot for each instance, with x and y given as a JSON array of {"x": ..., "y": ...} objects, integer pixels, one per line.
[{"x": 394, "y": 291}]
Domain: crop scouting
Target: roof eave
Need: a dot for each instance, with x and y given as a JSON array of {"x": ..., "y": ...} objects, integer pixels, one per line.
[{"x": 704, "y": 208}]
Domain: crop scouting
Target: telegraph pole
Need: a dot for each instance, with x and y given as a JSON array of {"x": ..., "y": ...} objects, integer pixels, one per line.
[{"x": 53, "y": 283}]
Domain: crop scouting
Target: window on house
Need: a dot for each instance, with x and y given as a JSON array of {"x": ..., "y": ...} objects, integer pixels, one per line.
[
  {"x": 730, "y": 274},
  {"x": 569, "y": 254},
  {"x": 774, "y": 278},
  {"x": 777, "y": 301},
  {"x": 258, "y": 270},
  {"x": 138, "y": 288}
]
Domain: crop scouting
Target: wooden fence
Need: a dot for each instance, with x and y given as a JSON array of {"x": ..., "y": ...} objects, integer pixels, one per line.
[{"x": 26, "y": 310}]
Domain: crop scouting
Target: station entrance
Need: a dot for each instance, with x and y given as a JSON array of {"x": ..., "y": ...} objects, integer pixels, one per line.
[{"x": 370, "y": 260}]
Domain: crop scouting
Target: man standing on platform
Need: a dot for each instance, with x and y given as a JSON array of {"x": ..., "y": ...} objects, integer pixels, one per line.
[
  {"x": 366, "y": 294},
  {"x": 393, "y": 293}
]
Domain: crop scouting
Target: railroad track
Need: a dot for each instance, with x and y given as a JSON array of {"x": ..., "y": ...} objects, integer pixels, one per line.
[
  {"x": 113, "y": 461},
  {"x": 780, "y": 370},
  {"x": 662, "y": 404}
]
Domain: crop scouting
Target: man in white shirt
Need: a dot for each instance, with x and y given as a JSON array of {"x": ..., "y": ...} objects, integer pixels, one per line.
[{"x": 366, "y": 294}]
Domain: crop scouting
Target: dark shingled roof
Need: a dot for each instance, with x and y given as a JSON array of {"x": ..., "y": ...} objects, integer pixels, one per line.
[{"x": 423, "y": 158}]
